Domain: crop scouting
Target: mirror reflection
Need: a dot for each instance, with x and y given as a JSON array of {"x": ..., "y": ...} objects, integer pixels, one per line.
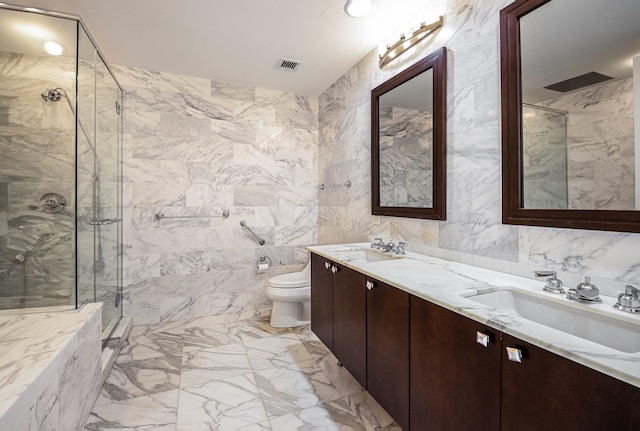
[
  {"x": 580, "y": 63},
  {"x": 408, "y": 141},
  {"x": 406, "y": 144}
]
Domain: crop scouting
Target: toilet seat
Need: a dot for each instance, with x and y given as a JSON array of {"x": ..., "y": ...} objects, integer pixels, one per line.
[{"x": 291, "y": 280}]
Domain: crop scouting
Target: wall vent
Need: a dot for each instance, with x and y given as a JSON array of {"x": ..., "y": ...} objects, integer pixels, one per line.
[{"x": 289, "y": 64}]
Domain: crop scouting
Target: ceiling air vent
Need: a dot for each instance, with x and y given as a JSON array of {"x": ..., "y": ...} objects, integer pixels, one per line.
[{"x": 289, "y": 64}]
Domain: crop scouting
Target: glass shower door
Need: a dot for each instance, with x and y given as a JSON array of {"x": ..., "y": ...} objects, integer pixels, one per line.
[{"x": 108, "y": 223}]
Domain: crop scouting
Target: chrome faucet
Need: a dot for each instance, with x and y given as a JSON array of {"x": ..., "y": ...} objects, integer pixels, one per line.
[
  {"x": 553, "y": 284},
  {"x": 629, "y": 301},
  {"x": 391, "y": 247},
  {"x": 585, "y": 292},
  {"x": 378, "y": 244}
]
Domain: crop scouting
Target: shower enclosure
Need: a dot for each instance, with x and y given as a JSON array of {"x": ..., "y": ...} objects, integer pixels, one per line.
[
  {"x": 544, "y": 158},
  {"x": 60, "y": 166}
]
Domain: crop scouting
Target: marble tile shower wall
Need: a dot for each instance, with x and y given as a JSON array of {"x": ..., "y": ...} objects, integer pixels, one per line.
[
  {"x": 473, "y": 229},
  {"x": 37, "y": 147},
  {"x": 544, "y": 159},
  {"x": 601, "y": 145},
  {"x": 405, "y": 157},
  {"x": 193, "y": 147}
]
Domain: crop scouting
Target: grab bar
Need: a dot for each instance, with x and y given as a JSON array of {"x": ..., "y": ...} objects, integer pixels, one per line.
[
  {"x": 346, "y": 184},
  {"x": 253, "y": 234},
  {"x": 105, "y": 221},
  {"x": 160, "y": 215}
]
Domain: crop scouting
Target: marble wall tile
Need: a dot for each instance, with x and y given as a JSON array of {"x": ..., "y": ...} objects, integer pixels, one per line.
[
  {"x": 600, "y": 148},
  {"x": 196, "y": 147},
  {"x": 38, "y": 154},
  {"x": 473, "y": 226}
]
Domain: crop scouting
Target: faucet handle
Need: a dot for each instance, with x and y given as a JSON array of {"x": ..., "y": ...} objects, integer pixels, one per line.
[
  {"x": 400, "y": 248},
  {"x": 632, "y": 291},
  {"x": 629, "y": 301},
  {"x": 553, "y": 284}
]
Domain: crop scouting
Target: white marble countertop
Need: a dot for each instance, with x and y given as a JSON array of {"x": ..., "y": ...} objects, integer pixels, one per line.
[{"x": 446, "y": 283}]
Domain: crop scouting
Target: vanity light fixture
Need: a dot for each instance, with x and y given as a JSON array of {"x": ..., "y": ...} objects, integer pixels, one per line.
[
  {"x": 358, "y": 8},
  {"x": 405, "y": 43},
  {"x": 53, "y": 48}
]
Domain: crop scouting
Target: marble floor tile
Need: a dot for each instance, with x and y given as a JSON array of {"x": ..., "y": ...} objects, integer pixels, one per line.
[
  {"x": 260, "y": 328},
  {"x": 293, "y": 387},
  {"x": 211, "y": 331},
  {"x": 273, "y": 352},
  {"x": 216, "y": 363},
  {"x": 153, "y": 341},
  {"x": 153, "y": 412},
  {"x": 322, "y": 418},
  {"x": 222, "y": 405},
  {"x": 143, "y": 377},
  {"x": 225, "y": 373}
]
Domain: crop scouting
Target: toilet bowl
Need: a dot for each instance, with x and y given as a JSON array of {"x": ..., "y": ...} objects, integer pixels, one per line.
[{"x": 291, "y": 296}]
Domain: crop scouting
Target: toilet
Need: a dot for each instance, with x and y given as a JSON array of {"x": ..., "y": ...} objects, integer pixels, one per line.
[{"x": 291, "y": 296}]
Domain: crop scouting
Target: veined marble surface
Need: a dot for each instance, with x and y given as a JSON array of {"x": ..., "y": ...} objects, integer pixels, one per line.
[
  {"x": 446, "y": 283},
  {"x": 50, "y": 368}
]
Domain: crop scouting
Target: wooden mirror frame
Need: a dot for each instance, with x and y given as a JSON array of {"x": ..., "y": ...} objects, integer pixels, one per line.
[
  {"x": 438, "y": 62},
  {"x": 511, "y": 82}
]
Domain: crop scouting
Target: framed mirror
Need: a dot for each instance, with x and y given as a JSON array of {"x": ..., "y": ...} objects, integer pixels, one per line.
[
  {"x": 408, "y": 141},
  {"x": 570, "y": 72}
]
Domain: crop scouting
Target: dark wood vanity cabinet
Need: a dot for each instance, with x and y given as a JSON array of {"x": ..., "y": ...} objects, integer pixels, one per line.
[
  {"x": 429, "y": 369},
  {"x": 388, "y": 349},
  {"x": 547, "y": 392},
  {"x": 350, "y": 322},
  {"x": 339, "y": 313},
  {"x": 322, "y": 299},
  {"x": 455, "y": 378}
]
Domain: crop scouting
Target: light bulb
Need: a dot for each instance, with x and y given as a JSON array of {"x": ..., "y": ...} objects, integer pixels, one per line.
[{"x": 358, "y": 8}]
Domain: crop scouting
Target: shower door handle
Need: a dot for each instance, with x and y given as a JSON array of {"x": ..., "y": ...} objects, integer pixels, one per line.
[{"x": 105, "y": 221}]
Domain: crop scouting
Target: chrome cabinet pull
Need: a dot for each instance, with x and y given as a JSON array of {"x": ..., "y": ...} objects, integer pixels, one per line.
[
  {"x": 514, "y": 354},
  {"x": 482, "y": 338},
  {"x": 334, "y": 269},
  {"x": 327, "y": 265},
  {"x": 370, "y": 284}
]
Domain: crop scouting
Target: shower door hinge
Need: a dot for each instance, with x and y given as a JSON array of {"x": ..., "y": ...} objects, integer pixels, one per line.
[{"x": 117, "y": 107}]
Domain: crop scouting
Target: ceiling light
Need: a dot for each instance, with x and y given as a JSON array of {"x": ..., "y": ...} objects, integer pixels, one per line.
[
  {"x": 53, "y": 48},
  {"x": 358, "y": 8},
  {"x": 33, "y": 30}
]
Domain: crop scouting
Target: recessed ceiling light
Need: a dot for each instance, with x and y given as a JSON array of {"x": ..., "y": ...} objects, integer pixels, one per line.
[
  {"x": 53, "y": 48},
  {"x": 358, "y": 8}
]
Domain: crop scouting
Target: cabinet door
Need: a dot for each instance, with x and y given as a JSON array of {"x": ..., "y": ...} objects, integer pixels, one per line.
[
  {"x": 388, "y": 350},
  {"x": 350, "y": 322},
  {"x": 322, "y": 299},
  {"x": 455, "y": 381},
  {"x": 548, "y": 392}
]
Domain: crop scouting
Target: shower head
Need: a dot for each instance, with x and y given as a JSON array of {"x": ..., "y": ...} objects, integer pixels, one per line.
[{"x": 52, "y": 95}]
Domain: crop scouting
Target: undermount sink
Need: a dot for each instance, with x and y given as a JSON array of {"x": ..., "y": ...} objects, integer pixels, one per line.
[
  {"x": 575, "y": 319},
  {"x": 366, "y": 255}
]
